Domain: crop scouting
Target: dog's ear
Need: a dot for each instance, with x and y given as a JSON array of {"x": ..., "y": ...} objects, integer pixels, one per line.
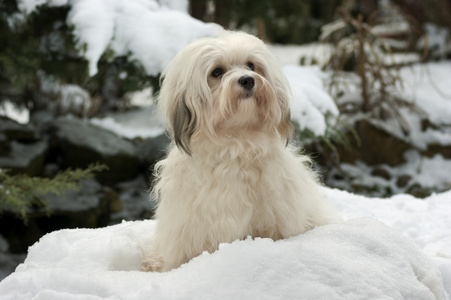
[
  {"x": 285, "y": 127},
  {"x": 184, "y": 124}
]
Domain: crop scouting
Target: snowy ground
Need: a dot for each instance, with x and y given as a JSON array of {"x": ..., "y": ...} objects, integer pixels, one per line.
[{"x": 360, "y": 258}]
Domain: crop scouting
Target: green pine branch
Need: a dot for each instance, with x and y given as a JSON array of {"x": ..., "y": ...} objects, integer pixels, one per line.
[{"x": 19, "y": 193}]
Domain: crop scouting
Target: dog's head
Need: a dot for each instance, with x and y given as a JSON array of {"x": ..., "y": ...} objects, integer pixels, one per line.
[{"x": 221, "y": 86}]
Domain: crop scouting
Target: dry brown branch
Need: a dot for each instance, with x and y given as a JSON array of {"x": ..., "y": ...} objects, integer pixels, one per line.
[{"x": 374, "y": 63}]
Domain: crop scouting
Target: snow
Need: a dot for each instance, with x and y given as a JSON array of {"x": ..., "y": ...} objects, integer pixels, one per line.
[
  {"x": 427, "y": 172},
  {"x": 310, "y": 53},
  {"x": 143, "y": 123},
  {"x": 64, "y": 98},
  {"x": 428, "y": 85},
  {"x": 437, "y": 40},
  {"x": 311, "y": 103},
  {"x": 426, "y": 222},
  {"x": 8, "y": 109},
  {"x": 121, "y": 25},
  {"x": 360, "y": 258}
]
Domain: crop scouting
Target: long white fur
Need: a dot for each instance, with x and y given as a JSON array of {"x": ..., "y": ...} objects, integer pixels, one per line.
[{"x": 229, "y": 173}]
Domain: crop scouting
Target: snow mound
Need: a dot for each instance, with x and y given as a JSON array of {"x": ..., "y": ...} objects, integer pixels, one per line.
[{"x": 359, "y": 259}]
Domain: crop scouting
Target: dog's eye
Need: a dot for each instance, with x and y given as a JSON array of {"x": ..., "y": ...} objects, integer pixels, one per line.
[
  {"x": 217, "y": 72},
  {"x": 250, "y": 66}
]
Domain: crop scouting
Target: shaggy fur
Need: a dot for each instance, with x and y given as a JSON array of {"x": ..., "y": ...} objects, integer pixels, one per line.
[{"x": 230, "y": 172}]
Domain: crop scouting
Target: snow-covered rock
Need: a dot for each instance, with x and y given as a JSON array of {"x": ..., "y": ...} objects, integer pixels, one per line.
[
  {"x": 311, "y": 103},
  {"x": 64, "y": 98},
  {"x": 358, "y": 259},
  {"x": 150, "y": 32}
]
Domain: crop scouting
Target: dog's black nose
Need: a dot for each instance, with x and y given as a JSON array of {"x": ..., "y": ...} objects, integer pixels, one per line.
[{"x": 247, "y": 82}]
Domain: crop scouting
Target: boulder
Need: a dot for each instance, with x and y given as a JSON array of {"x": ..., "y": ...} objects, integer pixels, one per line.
[
  {"x": 15, "y": 131},
  {"x": 88, "y": 207},
  {"x": 5, "y": 146},
  {"x": 22, "y": 148},
  {"x": 152, "y": 149},
  {"x": 25, "y": 158},
  {"x": 376, "y": 146},
  {"x": 80, "y": 143}
]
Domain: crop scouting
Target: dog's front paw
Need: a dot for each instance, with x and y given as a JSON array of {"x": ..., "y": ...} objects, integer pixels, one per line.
[{"x": 150, "y": 264}]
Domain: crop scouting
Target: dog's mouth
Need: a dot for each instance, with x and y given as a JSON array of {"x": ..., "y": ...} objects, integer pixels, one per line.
[{"x": 247, "y": 94}]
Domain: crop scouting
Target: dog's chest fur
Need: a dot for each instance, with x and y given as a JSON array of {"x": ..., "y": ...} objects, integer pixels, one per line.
[{"x": 250, "y": 189}]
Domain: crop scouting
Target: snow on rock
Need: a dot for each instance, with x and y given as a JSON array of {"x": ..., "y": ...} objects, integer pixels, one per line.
[
  {"x": 152, "y": 32},
  {"x": 427, "y": 172},
  {"x": 10, "y": 110},
  {"x": 358, "y": 259},
  {"x": 308, "y": 54},
  {"x": 311, "y": 103},
  {"x": 144, "y": 123},
  {"x": 427, "y": 87}
]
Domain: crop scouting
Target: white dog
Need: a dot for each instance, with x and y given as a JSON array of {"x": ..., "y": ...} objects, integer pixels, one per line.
[{"x": 230, "y": 172}]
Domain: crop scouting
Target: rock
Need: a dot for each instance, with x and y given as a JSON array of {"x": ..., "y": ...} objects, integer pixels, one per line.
[
  {"x": 19, "y": 235},
  {"x": 403, "y": 180},
  {"x": 136, "y": 204},
  {"x": 25, "y": 158},
  {"x": 22, "y": 149},
  {"x": 88, "y": 207},
  {"x": 376, "y": 146},
  {"x": 433, "y": 149},
  {"x": 80, "y": 143},
  {"x": 15, "y": 131},
  {"x": 115, "y": 203},
  {"x": 5, "y": 146},
  {"x": 86, "y": 198},
  {"x": 41, "y": 118},
  {"x": 419, "y": 191},
  {"x": 153, "y": 149},
  {"x": 381, "y": 172},
  {"x": 8, "y": 261}
]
